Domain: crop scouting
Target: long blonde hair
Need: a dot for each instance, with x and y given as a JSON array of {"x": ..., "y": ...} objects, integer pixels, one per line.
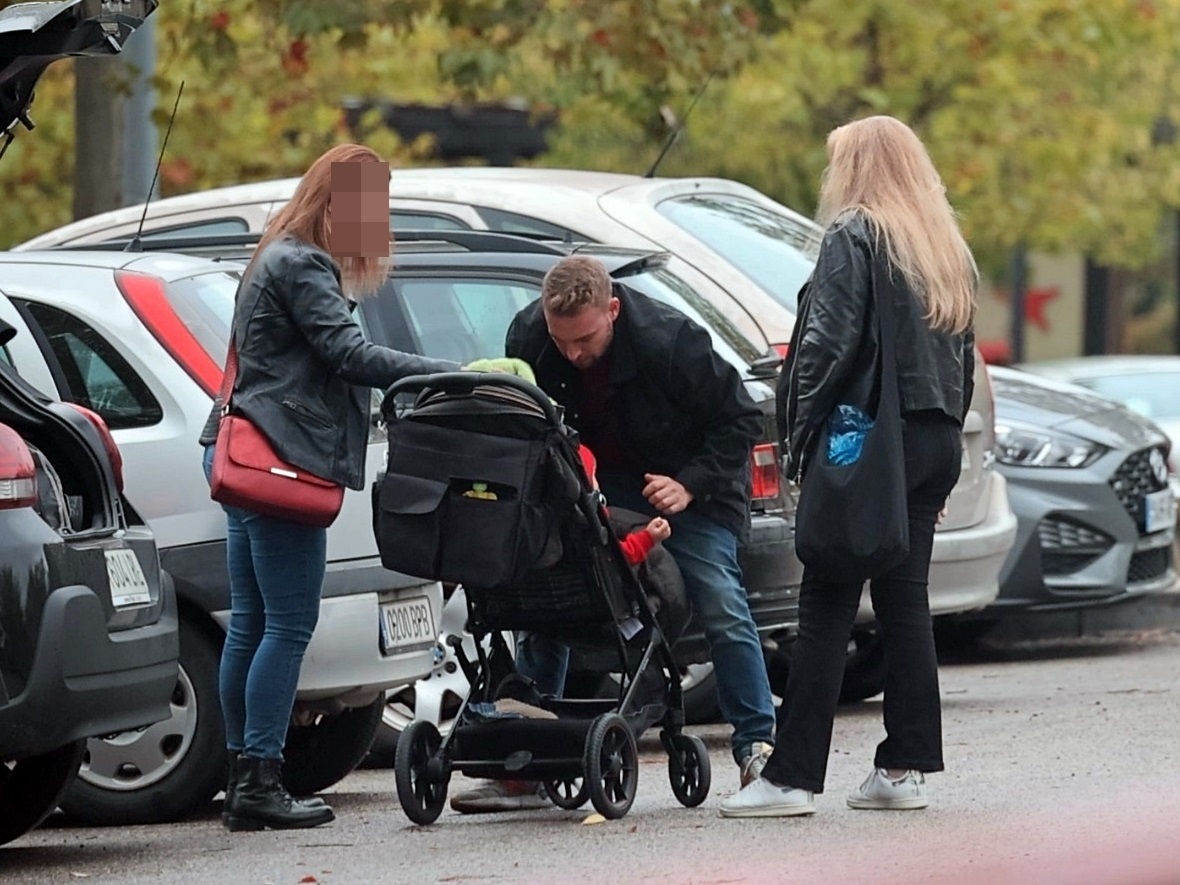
[
  {"x": 306, "y": 217},
  {"x": 879, "y": 167}
]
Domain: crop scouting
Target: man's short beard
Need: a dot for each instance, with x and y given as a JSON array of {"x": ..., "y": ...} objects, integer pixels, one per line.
[{"x": 363, "y": 276}]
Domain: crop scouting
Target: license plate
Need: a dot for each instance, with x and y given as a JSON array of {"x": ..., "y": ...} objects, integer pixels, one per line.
[
  {"x": 1159, "y": 511},
  {"x": 407, "y": 625},
  {"x": 128, "y": 584}
]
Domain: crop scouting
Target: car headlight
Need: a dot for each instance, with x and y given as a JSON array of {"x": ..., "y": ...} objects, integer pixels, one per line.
[{"x": 1026, "y": 446}]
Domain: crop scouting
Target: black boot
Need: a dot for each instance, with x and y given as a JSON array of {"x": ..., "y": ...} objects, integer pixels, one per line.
[
  {"x": 231, "y": 785},
  {"x": 260, "y": 800}
]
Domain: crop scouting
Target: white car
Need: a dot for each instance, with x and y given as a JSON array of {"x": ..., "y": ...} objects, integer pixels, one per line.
[
  {"x": 140, "y": 339},
  {"x": 722, "y": 235}
]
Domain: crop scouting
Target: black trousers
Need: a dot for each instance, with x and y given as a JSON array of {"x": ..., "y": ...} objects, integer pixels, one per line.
[{"x": 827, "y": 609}]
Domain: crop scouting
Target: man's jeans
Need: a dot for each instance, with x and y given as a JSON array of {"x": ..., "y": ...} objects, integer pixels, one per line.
[
  {"x": 276, "y": 575},
  {"x": 706, "y": 553}
]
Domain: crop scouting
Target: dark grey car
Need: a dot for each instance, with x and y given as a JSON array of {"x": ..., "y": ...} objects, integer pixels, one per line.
[{"x": 1088, "y": 481}]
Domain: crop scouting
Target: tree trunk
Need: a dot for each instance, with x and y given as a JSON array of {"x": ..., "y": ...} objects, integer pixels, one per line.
[{"x": 99, "y": 97}]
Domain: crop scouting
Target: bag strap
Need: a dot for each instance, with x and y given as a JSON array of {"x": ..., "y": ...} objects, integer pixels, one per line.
[
  {"x": 229, "y": 375},
  {"x": 886, "y": 327}
]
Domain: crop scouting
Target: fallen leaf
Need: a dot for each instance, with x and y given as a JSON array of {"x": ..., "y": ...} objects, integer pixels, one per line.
[
  {"x": 307, "y": 880},
  {"x": 595, "y": 818}
]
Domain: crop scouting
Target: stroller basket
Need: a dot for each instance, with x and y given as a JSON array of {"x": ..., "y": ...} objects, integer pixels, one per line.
[{"x": 473, "y": 492}]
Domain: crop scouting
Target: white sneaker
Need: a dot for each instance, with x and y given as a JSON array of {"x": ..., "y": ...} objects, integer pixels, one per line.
[
  {"x": 880, "y": 792},
  {"x": 761, "y": 798}
]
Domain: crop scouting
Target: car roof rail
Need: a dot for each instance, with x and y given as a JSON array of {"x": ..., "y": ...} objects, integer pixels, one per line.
[{"x": 243, "y": 243}]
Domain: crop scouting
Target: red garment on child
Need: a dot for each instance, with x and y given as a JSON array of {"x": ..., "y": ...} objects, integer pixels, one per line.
[{"x": 636, "y": 545}]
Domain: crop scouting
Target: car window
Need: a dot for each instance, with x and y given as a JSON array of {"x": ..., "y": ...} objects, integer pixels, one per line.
[
  {"x": 424, "y": 221},
  {"x": 1152, "y": 394},
  {"x": 665, "y": 286},
  {"x": 775, "y": 250},
  {"x": 205, "y": 304},
  {"x": 212, "y": 227},
  {"x": 513, "y": 223},
  {"x": 462, "y": 319},
  {"x": 96, "y": 376}
]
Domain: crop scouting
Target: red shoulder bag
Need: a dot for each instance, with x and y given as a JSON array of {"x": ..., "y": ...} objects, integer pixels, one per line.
[{"x": 247, "y": 473}]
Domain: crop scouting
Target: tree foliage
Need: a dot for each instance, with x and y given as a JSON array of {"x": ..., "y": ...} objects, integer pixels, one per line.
[{"x": 1039, "y": 113}]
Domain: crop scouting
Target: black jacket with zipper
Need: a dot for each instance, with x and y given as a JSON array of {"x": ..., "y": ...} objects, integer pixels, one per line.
[
  {"x": 304, "y": 366},
  {"x": 833, "y": 353},
  {"x": 680, "y": 409}
]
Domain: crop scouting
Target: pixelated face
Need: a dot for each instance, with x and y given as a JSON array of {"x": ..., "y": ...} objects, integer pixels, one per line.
[
  {"x": 584, "y": 337},
  {"x": 360, "y": 210}
]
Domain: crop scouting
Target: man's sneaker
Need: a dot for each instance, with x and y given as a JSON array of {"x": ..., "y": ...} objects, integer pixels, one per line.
[
  {"x": 501, "y": 796},
  {"x": 881, "y": 792},
  {"x": 752, "y": 765},
  {"x": 761, "y": 798}
]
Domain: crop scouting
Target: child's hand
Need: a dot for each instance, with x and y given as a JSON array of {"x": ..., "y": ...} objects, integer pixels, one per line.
[{"x": 659, "y": 529}]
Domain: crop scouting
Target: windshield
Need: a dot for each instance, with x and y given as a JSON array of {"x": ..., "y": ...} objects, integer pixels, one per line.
[
  {"x": 665, "y": 286},
  {"x": 776, "y": 251}
]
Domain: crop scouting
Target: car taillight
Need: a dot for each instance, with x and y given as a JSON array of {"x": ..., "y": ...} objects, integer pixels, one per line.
[
  {"x": 108, "y": 442},
  {"x": 782, "y": 349},
  {"x": 18, "y": 473},
  {"x": 764, "y": 472},
  {"x": 149, "y": 299}
]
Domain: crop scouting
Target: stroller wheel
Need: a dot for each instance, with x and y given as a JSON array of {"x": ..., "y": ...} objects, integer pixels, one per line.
[
  {"x": 568, "y": 794},
  {"x": 611, "y": 765},
  {"x": 421, "y": 777},
  {"x": 688, "y": 768}
]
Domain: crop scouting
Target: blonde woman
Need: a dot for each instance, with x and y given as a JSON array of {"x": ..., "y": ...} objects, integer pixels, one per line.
[
  {"x": 304, "y": 370},
  {"x": 891, "y": 239}
]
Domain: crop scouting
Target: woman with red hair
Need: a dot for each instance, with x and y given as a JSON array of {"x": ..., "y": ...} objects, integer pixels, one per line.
[{"x": 303, "y": 378}]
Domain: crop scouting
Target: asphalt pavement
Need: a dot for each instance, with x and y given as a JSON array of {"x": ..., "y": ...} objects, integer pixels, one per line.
[{"x": 1063, "y": 766}]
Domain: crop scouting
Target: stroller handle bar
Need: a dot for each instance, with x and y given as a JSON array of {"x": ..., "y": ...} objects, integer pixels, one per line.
[{"x": 466, "y": 382}]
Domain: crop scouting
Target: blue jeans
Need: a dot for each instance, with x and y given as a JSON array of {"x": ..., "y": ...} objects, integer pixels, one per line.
[
  {"x": 706, "y": 553},
  {"x": 276, "y": 575}
]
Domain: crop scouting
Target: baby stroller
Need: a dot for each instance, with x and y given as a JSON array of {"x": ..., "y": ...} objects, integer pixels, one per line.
[{"x": 484, "y": 487}]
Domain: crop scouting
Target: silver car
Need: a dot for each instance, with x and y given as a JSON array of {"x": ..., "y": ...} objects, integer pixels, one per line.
[{"x": 140, "y": 340}]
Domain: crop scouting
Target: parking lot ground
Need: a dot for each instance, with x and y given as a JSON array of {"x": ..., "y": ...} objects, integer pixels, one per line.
[{"x": 1063, "y": 766}]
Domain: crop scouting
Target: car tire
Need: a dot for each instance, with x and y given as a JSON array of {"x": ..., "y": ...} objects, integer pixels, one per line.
[
  {"x": 115, "y": 787},
  {"x": 955, "y": 637},
  {"x": 325, "y": 752},
  {"x": 864, "y": 668},
  {"x": 31, "y": 788}
]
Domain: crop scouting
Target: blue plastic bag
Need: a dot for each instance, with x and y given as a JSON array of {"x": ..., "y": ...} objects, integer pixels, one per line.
[{"x": 847, "y": 426}]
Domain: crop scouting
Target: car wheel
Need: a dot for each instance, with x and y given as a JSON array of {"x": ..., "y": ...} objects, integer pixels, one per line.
[
  {"x": 960, "y": 637},
  {"x": 325, "y": 752},
  {"x": 30, "y": 788},
  {"x": 164, "y": 771},
  {"x": 864, "y": 668}
]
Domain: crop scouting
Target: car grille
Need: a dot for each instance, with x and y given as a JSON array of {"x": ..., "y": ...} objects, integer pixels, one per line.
[
  {"x": 1135, "y": 478},
  {"x": 1068, "y": 546},
  {"x": 1147, "y": 565}
]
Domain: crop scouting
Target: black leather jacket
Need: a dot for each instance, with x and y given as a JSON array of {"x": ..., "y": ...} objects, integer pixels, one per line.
[
  {"x": 682, "y": 410},
  {"x": 833, "y": 353},
  {"x": 304, "y": 366}
]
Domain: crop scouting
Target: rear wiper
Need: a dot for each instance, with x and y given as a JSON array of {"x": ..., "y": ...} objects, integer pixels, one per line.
[{"x": 766, "y": 366}]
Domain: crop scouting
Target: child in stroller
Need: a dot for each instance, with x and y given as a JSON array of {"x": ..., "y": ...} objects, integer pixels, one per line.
[{"x": 535, "y": 553}]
